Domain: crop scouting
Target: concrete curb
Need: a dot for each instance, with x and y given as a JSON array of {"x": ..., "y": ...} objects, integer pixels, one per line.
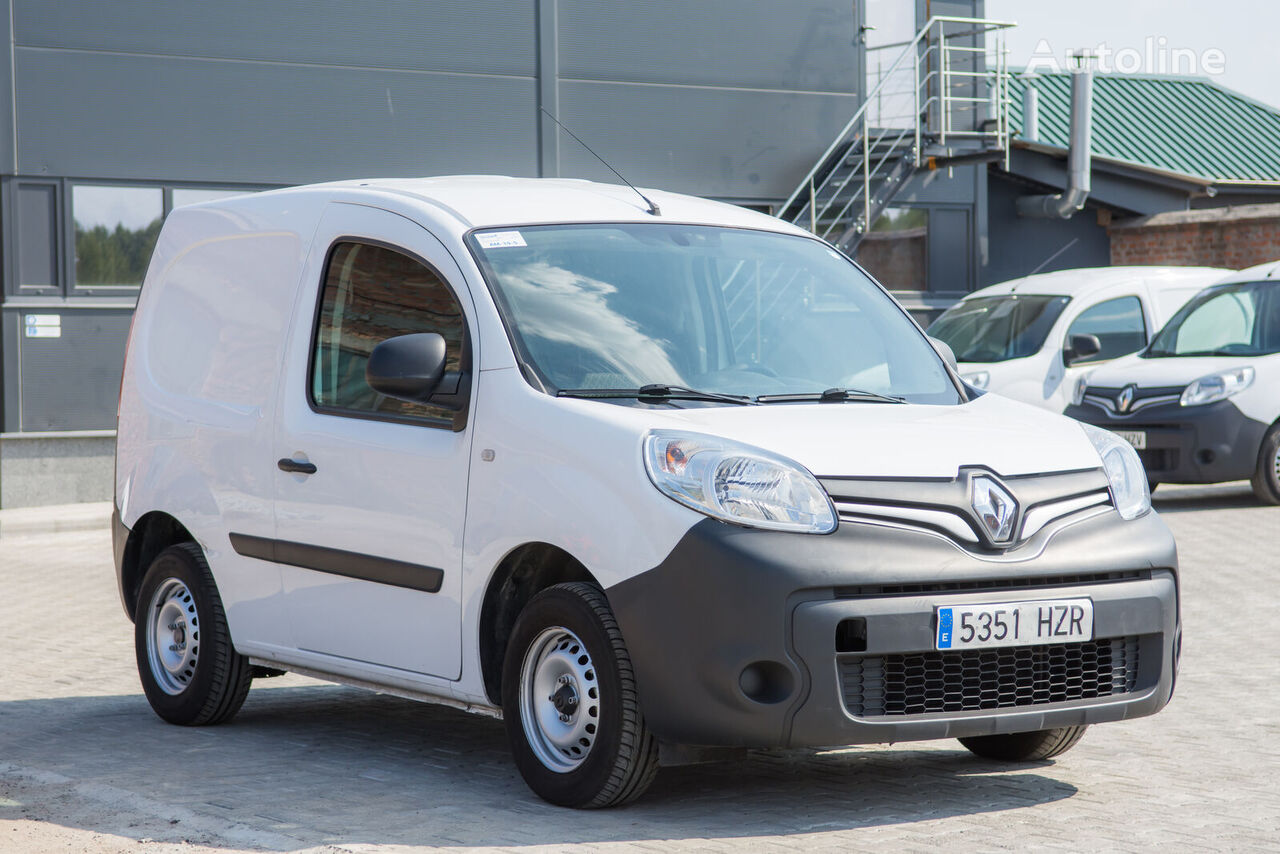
[{"x": 54, "y": 519}]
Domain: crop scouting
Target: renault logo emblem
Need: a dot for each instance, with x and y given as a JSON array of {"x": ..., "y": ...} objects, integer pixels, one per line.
[
  {"x": 1125, "y": 398},
  {"x": 995, "y": 507}
]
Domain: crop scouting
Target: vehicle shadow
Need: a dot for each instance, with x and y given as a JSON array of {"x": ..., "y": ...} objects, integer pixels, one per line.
[
  {"x": 316, "y": 764},
  {"x": 1220, "y": 496}
]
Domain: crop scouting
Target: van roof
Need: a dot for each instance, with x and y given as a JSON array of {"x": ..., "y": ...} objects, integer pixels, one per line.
[
  {"x": 482, "y": 201},
  {"x": 1269, "y": 270},
  {"x": 1086, "y": 280}
]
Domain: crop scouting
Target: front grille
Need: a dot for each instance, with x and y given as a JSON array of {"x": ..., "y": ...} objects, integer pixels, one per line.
[
  {"x": 988, "y": 585},
  {"x": 930, "y": 683}
]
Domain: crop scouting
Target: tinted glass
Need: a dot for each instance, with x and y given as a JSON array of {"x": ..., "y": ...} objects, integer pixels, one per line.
[
  {"x": 1118, "y": 324},
  {"x": 996, "y": 329},
  {"x": 372, "y": 294},
  {"x": 1230, "y": 320},
  {"x": 115, "y": 230},
  {"x": 725, "y": 310}
]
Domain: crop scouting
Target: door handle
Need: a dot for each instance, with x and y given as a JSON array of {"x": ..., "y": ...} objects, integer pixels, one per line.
[{"x": 296, "y": 466}]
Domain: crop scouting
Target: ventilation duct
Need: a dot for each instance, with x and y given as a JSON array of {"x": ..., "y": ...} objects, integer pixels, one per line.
[{"x": 1063, "y": 205}]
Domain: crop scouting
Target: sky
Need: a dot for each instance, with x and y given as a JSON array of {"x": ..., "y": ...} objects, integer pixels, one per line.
[{"x": 1233, "y": 42}]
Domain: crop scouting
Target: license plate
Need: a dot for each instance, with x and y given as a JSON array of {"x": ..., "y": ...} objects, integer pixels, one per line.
[
  {"x": 1014, "y": 624},
  {"x": 1137, "y": 438}
]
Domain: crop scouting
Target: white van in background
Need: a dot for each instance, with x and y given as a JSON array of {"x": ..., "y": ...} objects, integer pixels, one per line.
[
  {"x": 1202, "y": 403},
  {"x": 1031, "y": 338}
]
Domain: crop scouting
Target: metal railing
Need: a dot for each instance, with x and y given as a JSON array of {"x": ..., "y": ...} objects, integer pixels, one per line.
[{"x": 947, "y": 88}]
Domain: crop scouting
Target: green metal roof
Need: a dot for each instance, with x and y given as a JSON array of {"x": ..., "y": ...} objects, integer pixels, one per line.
[{"x": 1187, "y": 125}]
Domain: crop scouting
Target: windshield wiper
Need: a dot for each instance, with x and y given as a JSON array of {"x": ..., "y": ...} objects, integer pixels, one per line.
[
  {"x": 832, "y": 395},
  {"x": 656, "y": 391}
]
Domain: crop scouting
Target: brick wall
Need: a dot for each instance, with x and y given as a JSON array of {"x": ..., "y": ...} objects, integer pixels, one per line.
[{"x": 1235, "y": 237}]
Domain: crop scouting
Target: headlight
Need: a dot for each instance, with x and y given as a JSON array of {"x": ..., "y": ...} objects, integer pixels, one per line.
[
  {"x": 1124, "y": 470},
  {"x": 1217, "y": 386},
  {"x": 737, "y": 483},
  {"x": 978, "y": 379}
]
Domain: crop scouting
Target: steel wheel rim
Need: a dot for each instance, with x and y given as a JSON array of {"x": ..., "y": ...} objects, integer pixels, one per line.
[
  {"x": 559, "y": 699},
  {"x": 173, "y": 636},
  {"x": 1275, "y": 468}
]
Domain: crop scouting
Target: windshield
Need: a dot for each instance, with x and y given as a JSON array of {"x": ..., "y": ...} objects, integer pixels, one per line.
[
  {"x": 730, "y": 311},
  {"x": 996, "y": 329},
  {"x": 1226, "y": 320}
]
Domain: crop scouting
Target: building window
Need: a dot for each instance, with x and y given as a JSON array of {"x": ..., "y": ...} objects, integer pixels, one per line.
[
  {"x": 895, "y": 251},
  {"x": 372, "y": 294},
  {"x": 115, "y": 231}
]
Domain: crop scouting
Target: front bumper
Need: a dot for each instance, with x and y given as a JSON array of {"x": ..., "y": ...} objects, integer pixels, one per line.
[
  {"x": 1188, "y": 444},
  {"x": 742, "y": 638}
]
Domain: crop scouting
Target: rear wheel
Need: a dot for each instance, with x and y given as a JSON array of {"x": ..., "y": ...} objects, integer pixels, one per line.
[
  {"x": 1025, "y": 746},
  {"x": 1266, "y": 477},
  {"x": 190, "y": 672},
  {"x": 570, "y": 703}
]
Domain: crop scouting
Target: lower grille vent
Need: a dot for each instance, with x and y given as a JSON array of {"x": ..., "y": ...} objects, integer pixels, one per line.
[
  {"x": 973, "y": 680},
  {"x": 850, "y": 592}
]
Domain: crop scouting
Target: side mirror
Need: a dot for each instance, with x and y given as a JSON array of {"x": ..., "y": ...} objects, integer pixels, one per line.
[
  {"x": 944, "y": 350},
  {"x": 407, "y": 367},
  {"x": 1081, "y": 348}
]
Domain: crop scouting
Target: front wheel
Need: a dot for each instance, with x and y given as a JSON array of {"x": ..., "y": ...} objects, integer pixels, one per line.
[
  {"x": 570, "y": 703},
  {"x": 190, "y": 672},
  {"x": 1025, "y": 746},
  {"x": 1266, "y": 476}
]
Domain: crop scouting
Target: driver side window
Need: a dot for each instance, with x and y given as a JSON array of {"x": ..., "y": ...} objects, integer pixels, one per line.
[
  {"x": 1118, "y": 324},
  {"x": 370, "y": 294}
]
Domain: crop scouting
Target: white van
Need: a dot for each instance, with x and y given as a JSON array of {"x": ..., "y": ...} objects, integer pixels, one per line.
[
  {"x": 1202, "y": 402},
  {"x": 644, "y": 479},
  {"x": 1031, "y": 338}
]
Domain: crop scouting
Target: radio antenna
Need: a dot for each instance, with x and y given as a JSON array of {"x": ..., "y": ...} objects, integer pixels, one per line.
[{"x": 653, "y": 209}]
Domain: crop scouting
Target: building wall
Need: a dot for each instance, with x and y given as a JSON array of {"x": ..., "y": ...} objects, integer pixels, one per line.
[
  {"x": 716, "y": 98},
  {"x": 1021, "y": 245},
  {"x": 1236, "y": 237},
  {"x": 732, "y": 103}
]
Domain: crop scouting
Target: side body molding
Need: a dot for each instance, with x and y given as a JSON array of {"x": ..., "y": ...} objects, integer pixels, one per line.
[{"x": 382, "y": 570}]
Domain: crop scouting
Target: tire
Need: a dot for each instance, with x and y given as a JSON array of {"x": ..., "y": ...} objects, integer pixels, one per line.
[
  {"x": 190, "y": 671},
  {"x": 583, "y": 743},
  {"x": 1266, "y": 475},
  {"x": 1025, "y": 746}
]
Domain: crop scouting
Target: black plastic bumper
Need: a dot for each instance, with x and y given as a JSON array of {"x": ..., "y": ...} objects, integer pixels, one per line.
[
  {"x": 734, "y": 637},
  {"x": 1188, "y": 444}
]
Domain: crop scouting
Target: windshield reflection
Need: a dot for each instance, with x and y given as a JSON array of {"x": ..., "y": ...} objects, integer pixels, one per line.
[{"x": 729, "y": 311}]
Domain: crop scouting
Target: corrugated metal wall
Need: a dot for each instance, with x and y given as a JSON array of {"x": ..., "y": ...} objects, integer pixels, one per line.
[{"x": 716, "y": 97}]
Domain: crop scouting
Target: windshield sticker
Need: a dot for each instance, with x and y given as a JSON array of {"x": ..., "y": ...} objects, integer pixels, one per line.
[{"x": 500, "y": 240}]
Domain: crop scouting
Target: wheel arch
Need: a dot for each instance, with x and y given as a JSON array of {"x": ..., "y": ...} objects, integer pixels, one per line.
[
  {"x": 524, "y": 572},
  {"x": 151, "y": 534}
]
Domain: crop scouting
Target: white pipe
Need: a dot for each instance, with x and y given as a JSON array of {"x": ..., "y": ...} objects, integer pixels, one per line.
[{"x": 1031, "y": 113}]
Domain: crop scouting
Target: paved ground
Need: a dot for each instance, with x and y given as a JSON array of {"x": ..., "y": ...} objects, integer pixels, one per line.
[{"x": 85, "y": 766}]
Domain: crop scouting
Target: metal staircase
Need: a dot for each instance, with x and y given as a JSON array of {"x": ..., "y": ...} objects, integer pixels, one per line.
[{"x": 943, "y": 101}]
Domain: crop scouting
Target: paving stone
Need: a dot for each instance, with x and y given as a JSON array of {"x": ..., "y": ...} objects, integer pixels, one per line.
[{"x": 317, "y": 767}]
